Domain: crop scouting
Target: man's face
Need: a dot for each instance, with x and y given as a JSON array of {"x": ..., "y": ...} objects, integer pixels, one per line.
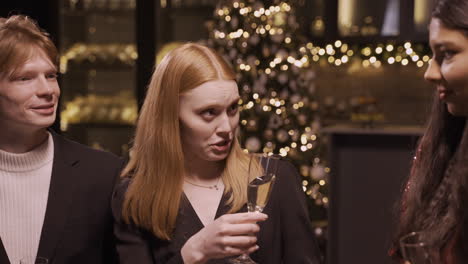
[{"x": 29, "y": 97}]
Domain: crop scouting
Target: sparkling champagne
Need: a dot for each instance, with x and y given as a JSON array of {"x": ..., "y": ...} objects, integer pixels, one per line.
[
  {"x": 259, "y": 191},
  {"x": 262, "y": 169}
]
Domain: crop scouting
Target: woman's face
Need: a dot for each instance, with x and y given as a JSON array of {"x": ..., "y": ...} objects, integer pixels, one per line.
[
  {"x": 448, "y": 69},
  {"x": 209, "y": 118}
]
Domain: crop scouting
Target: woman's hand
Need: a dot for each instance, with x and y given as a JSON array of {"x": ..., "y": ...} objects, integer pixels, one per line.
[{"x": 229, "y": 235}]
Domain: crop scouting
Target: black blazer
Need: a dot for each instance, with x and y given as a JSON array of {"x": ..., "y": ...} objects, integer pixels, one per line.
[
  {"x": 286, "y": 237},
  {"x": 78, "y": 220}
]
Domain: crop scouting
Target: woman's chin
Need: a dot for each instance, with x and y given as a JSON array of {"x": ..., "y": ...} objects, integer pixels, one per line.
[{"x": 217, "y": 156}]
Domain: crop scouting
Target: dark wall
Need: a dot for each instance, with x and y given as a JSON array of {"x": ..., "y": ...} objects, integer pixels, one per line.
[
  {"x": 368, "y": 172},
  {"x": 44, "y": 11}
]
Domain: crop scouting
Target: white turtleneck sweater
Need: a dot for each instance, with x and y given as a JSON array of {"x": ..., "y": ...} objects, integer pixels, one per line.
[{"x": 24, "y": 188}]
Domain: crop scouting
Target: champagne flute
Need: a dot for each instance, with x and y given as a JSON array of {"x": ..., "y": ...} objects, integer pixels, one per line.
[
  {"x": 417, "y": 250},
  {"x": 260, "y": 181}
]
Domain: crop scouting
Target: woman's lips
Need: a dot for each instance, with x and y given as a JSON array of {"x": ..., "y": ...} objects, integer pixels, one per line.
[
  {"x": 444, "y": 93},
  {"x": 222, "y": 146},
  {"x": 47, "y": 109}
]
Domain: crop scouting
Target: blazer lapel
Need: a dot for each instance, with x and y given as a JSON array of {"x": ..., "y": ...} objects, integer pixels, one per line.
[
  {"x": 3, "y": 255},
  {"x": 60, "y": 197}
]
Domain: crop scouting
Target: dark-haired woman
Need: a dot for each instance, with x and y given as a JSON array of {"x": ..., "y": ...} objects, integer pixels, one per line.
[{"x": 435, "y": 200}]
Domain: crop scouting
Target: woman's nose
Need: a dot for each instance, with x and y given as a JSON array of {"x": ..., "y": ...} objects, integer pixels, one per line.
[
  {"x": 225, "y": 124},
  {"x": 432, "y": 73}
]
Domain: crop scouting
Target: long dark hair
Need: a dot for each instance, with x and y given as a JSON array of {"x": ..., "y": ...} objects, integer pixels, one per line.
[
  {"x": 452, "y": 13},
  {"x": 435, "y": 196}
]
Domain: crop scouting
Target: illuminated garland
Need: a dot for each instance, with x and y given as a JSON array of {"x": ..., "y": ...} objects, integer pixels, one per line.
[
  {"x": 370, "y": 55},
  {"x": 337, "y": 53}
]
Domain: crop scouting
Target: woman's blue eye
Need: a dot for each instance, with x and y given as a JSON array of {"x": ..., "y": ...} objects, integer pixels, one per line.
[{"x": 208, "y": 112}]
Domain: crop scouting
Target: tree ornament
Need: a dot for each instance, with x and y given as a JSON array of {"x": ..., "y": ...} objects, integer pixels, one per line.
[
  {"x": 304, "y": 170},
  {"x": 268, "y": 134},
  {"x": 282, "y": 136},
  {"x": 252, "y": 125},
  {"x": 234, "y": 22},
  {"x": 302, "y": 119},
  {"x": 275, "y": 121},
  {"x": 279, "y": 19},
  {"x": 254, "y": 40},
  {"x": 283, "y": 78},
  {"x": 277, "y": 38},
  {"x": 317, "y": 172},
  {"x": 253, "y": 144}
]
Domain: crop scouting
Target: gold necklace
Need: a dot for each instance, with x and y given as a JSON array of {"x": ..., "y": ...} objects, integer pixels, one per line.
[{"x": 211, "y": 187}]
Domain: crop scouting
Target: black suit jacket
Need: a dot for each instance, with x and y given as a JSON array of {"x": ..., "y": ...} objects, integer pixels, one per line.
[
  {"x": 78, "y": 220},
  {"x": 286, "y": 237}
]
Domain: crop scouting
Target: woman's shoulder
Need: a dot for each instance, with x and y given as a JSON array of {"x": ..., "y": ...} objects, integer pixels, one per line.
[
  {"x": 286, "y": 165},
  {"x": 122, "y": 186},
  {"x": 287, "y": 175},
  {"x": 118, "y": 196},
  {"x": 286, "y": 168}
]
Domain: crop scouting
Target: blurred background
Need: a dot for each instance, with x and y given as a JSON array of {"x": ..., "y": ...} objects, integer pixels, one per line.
[{"x": 335, "y": 86}]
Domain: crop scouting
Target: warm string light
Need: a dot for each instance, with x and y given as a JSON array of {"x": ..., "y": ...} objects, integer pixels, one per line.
[
  {"x": 244, "y": 35},
  {"x": 340, "y": 54},
  {"x": 370, "y": 55},
  {"x": 306, "y": 138},
  {"x": 265, "y": 16},
  {"x": 337, "y": 54}
]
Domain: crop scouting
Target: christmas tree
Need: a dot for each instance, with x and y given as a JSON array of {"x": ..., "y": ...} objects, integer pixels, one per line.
[{"x": 279, "y": 110}]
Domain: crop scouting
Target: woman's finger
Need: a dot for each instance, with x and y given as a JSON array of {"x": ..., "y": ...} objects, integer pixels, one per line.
[
  {"x": 243, "y": 242},
  {"x": 244, "y": 218},
  {"x": 238, "y": 229},
  {"x": 252, "y": 249},
  {"x": 232, "y": 251}
]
